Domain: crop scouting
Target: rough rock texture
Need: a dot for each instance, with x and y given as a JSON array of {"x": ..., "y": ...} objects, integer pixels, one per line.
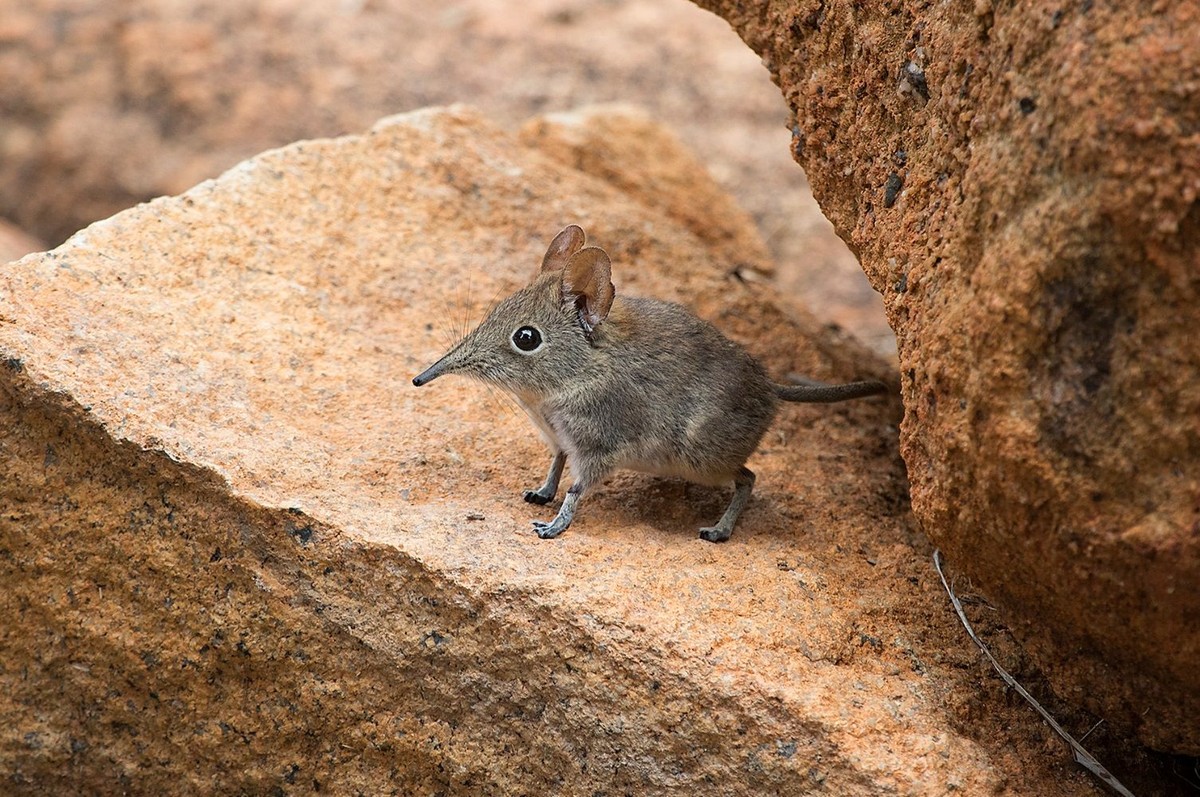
[
  {"x": 103, "y": 105},
  {"x": 1021, "y": 183},
  {"x": 241, "y": 553},
  {"x": 624, "y": 147}
]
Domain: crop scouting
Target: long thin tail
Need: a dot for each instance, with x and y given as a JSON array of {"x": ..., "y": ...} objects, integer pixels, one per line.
[{"x": 820, "y": 393}]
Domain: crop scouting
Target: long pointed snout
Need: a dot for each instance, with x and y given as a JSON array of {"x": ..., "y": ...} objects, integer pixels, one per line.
[
  {"x": 449, "y": 363},
  {"x": 429, "y": 374}
]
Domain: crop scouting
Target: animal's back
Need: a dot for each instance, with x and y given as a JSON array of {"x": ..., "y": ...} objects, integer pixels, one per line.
[{"x": 674, "y": 396}]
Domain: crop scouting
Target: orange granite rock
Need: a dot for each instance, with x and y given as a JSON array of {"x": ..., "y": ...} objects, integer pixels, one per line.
[
  {"x": 1022, "y": 184},
  {"x": 241, "y": 553}
]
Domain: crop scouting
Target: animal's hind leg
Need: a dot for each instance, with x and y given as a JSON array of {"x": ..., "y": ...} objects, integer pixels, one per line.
[{"x": 743, "y": 484}]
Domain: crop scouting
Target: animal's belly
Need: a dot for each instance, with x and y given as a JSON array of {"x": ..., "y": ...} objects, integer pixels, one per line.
[{"x": 681, "y": 470}]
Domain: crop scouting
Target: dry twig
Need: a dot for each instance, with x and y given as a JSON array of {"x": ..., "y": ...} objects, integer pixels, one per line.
[{"x": 1082, "y": 756}]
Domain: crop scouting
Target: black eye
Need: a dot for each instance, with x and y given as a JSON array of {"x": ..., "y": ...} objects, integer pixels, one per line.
[{"x": 527, "y": 339}]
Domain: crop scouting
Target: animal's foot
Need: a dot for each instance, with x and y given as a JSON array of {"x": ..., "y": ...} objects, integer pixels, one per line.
[
  {"x": 548, "y": 531},
  {"x": 715, "y": 533},
  {"x": 537, "y": 497}
]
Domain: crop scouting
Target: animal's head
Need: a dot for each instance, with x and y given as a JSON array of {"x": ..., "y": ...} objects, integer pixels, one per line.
[{"x": 540, "y": 338}]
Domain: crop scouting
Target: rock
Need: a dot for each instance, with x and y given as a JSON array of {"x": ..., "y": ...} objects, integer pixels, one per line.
[
  {"x": 105, "y": 106},
  {"x": 624, "y": 147},
  {"x": 241, "y": 553},
  {"x": 1022, "y": 188}
]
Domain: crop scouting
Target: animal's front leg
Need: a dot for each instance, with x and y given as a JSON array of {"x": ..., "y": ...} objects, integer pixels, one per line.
[
  {"x": 589, "y": 469},
  {"x": 545, "y": 494},
  {"x": 548, "y": 531}
]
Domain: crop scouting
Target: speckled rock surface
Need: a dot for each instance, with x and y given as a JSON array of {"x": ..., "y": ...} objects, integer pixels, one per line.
[
  {"x": 241, "y": 553},
  {"x": 1021, "y": 183}
]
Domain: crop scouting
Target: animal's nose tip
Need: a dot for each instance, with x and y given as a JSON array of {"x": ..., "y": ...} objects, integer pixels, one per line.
[{"x": 428, "y": 375}]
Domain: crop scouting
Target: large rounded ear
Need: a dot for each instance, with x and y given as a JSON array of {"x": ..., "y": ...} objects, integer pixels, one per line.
[
  {"x": 587, "y": 286},
  {"x": 565, "y": 244}
]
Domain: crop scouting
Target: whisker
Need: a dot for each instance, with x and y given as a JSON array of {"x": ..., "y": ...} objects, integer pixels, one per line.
[
  {"x": 501, "y": 398},
  {"x": 465, "y": 317},
  {"x": 445, "y": 329}
]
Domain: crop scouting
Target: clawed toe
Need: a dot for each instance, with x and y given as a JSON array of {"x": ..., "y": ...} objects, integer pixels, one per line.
[
  {"x": 715, "y": 534},
  {"x": 545, "y": 530}
]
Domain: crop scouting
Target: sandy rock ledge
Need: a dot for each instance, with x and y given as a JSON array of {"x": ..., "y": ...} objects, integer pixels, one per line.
[{"x": 241, "y": 553}]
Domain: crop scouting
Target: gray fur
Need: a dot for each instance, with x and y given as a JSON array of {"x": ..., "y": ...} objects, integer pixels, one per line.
[{"x": 629, "y": 383}]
